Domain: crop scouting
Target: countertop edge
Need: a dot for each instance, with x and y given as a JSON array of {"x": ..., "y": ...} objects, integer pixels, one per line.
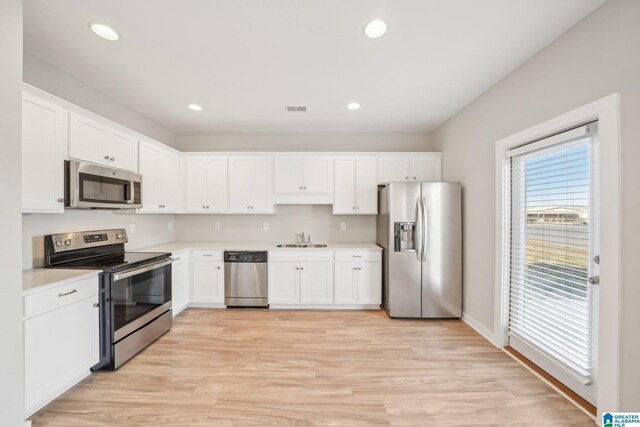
[{"x": 43, "y": 284}]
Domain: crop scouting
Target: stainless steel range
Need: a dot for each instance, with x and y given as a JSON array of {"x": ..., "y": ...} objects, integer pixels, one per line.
[{"x": 135, "y": 289}]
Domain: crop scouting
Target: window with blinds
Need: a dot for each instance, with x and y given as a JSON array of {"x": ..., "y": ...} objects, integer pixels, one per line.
[{"x": 552, "y": 244}]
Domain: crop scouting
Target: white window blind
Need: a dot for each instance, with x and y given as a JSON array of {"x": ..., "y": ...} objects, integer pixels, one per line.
[{"x": 553, "y": 188}]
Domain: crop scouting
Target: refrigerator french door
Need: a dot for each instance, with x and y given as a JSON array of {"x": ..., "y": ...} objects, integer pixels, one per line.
[{"x": 420, "y": 231}]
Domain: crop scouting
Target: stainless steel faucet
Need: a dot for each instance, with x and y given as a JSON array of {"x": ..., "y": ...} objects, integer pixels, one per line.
[{"x": 302, "y": 239}]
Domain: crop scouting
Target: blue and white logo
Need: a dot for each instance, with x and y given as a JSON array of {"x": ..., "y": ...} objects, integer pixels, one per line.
[{"x": 620, "y": 419}]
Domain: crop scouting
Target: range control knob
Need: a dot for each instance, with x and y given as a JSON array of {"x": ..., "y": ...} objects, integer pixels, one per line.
[
  {"x": 58, "y": 242},
  {"x": 120, "y": 236},
  {"x": 67, "y": 242}
]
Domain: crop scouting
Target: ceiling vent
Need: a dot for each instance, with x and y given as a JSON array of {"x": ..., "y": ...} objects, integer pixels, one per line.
[{"x": 296, "y": 108}]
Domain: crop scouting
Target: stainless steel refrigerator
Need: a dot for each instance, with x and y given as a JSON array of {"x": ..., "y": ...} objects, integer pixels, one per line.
[{"x": 419, "y": 228}]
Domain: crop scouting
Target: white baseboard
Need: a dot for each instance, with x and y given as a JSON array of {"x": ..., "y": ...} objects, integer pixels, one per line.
[
  {"x": 324, "y": 306},
  {"x": 479, "y": 328}
]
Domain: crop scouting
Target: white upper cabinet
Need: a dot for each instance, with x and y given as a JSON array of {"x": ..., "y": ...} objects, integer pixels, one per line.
[
  {"x": 206, "y": 184},
  {"x": 303, "y": 179},
  {"x": 96, "y": 142},
  {"x": 44, "y": 134},
  {"x": 161, "y": 179},
  {"x": 250, "y": 185},
  {"x": 356, "y": 189},
  {"x": 411, "y": 168}
]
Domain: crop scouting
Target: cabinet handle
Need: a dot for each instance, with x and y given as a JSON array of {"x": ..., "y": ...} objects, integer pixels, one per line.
[
  {"x": 207, "y": 254},
  {"x": 304, "y": 188},
  {"x": 301, "y": 268},
  {"x": 357, "y": 256},
  {"x": 64, "y": 294},
  {"x": 415, "y": 177},
  {"x": 207, "y": 207},
  {"x": 106, "y": 157},
  {"x": 60, "y": 200},
  {"x": 113, "y": 159},
  {"x": 406, "y": 177}
]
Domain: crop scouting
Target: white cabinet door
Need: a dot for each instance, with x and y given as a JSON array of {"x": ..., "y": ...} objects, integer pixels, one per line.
[
  {"x": 88, "y": 139},
  {"x": 44, "y": 133},
  {"x": 366, "y": 185},
  {"x": 344, "y": 195},
  {"x": 149, "y": 168},
  {"x": 317, "y": 175},
  {"x": 216, "y": 192},
  {"x": 208, "y": 282},
  {"x": 426, "y": 168},
  {"x": 196, "y": 183},
  {"x": 346, "y": 291},
  {"x": 283, "y": 282},
  {"x": 240, "y": 184},
  {"x": 261, "y": 186},
  {"x": 59, "y": 350},
  {"x": 316, "y": 283},
  {"x": 122, "y": 149},
  {"x": 287, "y": 177},
  {"x": 170, "y": 184},
  {"x": 393, "y": 169},
  {"x": 369, "y": 283},
  {"x": 180, "y": 283}
]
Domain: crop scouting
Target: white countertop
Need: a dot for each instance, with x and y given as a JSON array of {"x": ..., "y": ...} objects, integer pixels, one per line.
[
  {"x": 38, "y": 277},
  {"x": 261, "y": 246}
]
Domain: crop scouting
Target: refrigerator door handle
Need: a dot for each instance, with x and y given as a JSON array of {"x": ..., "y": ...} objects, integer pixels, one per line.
[
  {"x": 424, "y": 218},
  {"x": 418, "y": 232}
]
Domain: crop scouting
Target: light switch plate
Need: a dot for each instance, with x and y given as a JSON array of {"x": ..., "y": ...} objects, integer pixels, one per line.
[
  {"x": 343, "y": 226},
  {"x": 265, "y": 226},
  {"x": 132, "y": 229},
  {"x": 170, "y": 225},
  {"x": 217, "y": 226}
]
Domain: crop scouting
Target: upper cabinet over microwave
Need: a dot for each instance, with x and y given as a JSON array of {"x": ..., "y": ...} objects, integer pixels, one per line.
[
  {"x": 410, "y": 168},
  {"x": 95, "y": 142}
]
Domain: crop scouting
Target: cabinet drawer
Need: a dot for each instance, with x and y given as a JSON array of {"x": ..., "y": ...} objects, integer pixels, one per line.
[
  {"x": 51, "y": 299},
  {"x": 368, "y": 256},
  {"x": 301, "y": 255},
  {"x": 201, "y": 255}
]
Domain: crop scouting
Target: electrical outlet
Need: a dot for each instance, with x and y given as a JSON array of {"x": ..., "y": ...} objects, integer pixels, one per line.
[
  {"x": 132, "y": 229},
  {"x": 170, "y": 225},
  {"x": 265, "y": 226},
  {"x": 217, "y": 226},
  {"x": 343, "y": 226}
]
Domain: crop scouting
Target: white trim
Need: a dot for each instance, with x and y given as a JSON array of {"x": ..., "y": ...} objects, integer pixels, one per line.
[
  {"x": 479, "y": 328},
  {"x": 205, "y": 305},
  {"x": 607, "y": 112},
  {"x": 324, "y": 307}
]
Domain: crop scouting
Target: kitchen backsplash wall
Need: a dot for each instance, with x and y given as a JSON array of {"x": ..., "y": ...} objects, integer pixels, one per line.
[
  {"x": 314, "y": 220},
  {"x": 150, "y": 229}
]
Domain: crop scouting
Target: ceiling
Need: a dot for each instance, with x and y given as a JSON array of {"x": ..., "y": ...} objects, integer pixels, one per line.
[{"x": 245, "y": 60}]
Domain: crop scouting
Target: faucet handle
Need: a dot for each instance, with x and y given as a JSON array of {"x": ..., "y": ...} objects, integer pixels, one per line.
[{"x": 309, "y": 238}]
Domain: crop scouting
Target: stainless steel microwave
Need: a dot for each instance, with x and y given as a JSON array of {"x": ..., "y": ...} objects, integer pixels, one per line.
[{"x": 89, "y": 186}]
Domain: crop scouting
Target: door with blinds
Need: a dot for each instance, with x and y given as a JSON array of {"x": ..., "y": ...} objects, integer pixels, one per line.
[{"x": 553, "y": 258}]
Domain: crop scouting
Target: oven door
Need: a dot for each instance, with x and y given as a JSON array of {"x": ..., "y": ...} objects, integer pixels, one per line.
[
  {"x": 93, "y": 186},
  {"x": 138, "y": 296}
]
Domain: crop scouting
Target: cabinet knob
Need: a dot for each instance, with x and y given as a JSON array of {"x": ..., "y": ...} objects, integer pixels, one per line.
[
  {"x": 106, "y": 157},
  {"x": 218, "y": 267},
  {"x": 304, "y": 188},
  {"x": 415, "y": 177},
  {"x": 113, "y": 159},
  {"x": 406, "y": 177},
  {"x": 207, "y": 207},
  {"x": 61, "y": 200}
]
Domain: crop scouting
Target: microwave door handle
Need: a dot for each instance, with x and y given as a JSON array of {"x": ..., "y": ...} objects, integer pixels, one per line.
[{"x": 130, "y": 200}]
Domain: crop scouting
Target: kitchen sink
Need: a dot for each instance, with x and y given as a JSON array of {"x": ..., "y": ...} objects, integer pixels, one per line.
[{"x": 302, "y": 245}]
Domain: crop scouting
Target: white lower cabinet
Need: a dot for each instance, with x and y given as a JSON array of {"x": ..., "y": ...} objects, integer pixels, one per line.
[
  {"x": 61, "y": 339},
  {"x": 284, "y": 282},
  {"x": 180, "y": 281},
  {"x": 358, "y": 278},
  {"x": 207, "y": 286},
  {"x": 316, "y": 283}
]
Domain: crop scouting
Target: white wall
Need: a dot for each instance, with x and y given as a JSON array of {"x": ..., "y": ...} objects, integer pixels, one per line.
[
  {"x": 53, "y": 80},
  {"x": 150, "y": 229},
  {"x": 598, "y": 56},
  {"x": 314, "y": 141},
  {"x": 11, "y": 353},
  {"x": 314, "y": 220}
]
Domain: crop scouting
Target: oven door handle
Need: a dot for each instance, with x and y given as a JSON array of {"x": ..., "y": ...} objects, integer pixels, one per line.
[{"x": 135, "y": 271}]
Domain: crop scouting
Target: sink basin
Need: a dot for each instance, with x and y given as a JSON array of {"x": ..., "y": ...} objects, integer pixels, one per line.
[{"x": 302, "y": 245}]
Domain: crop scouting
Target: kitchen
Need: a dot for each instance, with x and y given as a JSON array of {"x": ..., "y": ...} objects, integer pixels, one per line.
[{"x": 222, "y": 238}]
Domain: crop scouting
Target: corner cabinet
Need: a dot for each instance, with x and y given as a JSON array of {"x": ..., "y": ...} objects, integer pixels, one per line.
[
  {"x": 206, "y": 184},
  {"x": 413, "y": 168},
  {"x": 250, "y": 185},
  {"x": 207, "y": 285},
  {"x": 44, "y": 136},
  {"x": 161, "y": 182},
  {"x": 356, "y": 189},
  {"x": 96, "y": 142},
  {"x": 61, "y": 339}
]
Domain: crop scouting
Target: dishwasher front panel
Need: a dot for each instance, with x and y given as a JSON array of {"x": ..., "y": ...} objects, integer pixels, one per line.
[{"x": 245, "y": 283}]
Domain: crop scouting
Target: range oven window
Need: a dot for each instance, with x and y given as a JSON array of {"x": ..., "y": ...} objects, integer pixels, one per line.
[
  {"x": 96, "y": 188},
  {"x": 135, "y": 296}
]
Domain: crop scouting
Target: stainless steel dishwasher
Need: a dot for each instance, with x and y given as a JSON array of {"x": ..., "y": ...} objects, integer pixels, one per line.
[{"x": 245, "y": 279}]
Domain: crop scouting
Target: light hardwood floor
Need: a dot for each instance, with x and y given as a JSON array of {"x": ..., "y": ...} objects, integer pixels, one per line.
[{"x": 260, "y": 367}]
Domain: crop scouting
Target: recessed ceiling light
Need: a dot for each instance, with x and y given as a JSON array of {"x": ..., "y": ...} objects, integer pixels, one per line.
[
  {"x": 375, "y": 28},
  {"x": 195, "y": 107},
  {"x": 353, "y": 106},
  {"x": 104, "y": 31}
]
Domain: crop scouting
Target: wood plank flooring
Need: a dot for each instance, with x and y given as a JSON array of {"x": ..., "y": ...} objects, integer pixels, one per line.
[{"x": 341, "y": 368}]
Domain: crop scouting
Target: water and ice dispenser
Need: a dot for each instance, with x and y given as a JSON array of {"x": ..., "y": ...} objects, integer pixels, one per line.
[{"x": 403, "y": 236}]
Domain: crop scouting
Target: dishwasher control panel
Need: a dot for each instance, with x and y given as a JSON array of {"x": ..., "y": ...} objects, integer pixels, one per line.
[{"x": 245, "y": 256}]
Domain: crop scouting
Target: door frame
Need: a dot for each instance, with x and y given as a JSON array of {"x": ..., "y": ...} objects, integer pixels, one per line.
[{"x": 607, "y": 111}]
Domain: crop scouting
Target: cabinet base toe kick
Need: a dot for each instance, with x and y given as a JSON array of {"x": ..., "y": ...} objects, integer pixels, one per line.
[{"x": 324, "y": 306}]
